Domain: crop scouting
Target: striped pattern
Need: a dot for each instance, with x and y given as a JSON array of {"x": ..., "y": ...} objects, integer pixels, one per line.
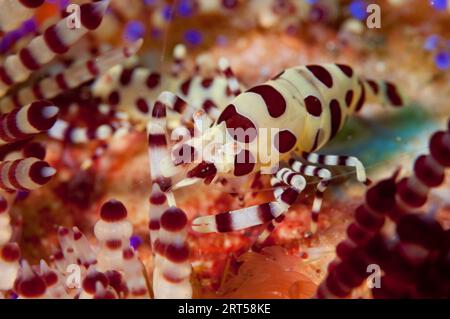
[
  {"x": 123, "y": 87},
  {"x": 232, "y": 81},
  {"x": 113, "y": 232},
  {"x": 248, "y": 216},
  {"x": 24, "y": 150},
  {"x": 161, "y": 164},
  {"x": 279, "y": 187},
  {"x": 428, "y": 173},
  {"x": 325, "y": 176},
  {"x": 319, "y": 97},
  {"x": 27, "y": 121},
  {"x": 24, "y": 174},
  {"x": 64, "y": 131},
  {"x": 417, "y": 237},
  {"x": 55, "y": 40},
  {"x": 134, "y": 274},
  {"x": 383, "y": 92},
  {"x": 345, "y": 272},
  {"x": 72, "y": 77},
  {"x": 172, "y": 269},
  {"x": 292, "y": 179},
  {"x": 338, "y": 160},
  {"x": 158, "y": 204}
]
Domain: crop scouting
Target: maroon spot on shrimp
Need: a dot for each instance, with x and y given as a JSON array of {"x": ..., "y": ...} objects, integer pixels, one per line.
[
  {"x": 313, "y": 105},
  {"x": 142, "y": 106},
  {"x": 285, "y": 141},
  {"x": 374, "y": 86},
  {"x": 240, "y": 127},
  {"x": 153, "y": 80},
  {"x": 244, "y": 163},
  {"x": 275, "y": 102},
  {"x": 185, "y": 86},
  {"x": 392, "y": 94},
  {"x": 335, "y": 117},
  {"x": 349, "y": 98},
  {"x": 207, "y": 82},
  {"x": 126, "y": 76},
  {"x": 347, "y": 70},
  {"x": 362, "y": 98},
  {"x": 321, "y": 74}
]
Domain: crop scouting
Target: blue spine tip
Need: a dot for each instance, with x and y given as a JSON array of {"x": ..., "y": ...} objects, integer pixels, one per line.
[
  {"x": 135, "y": 241},
  {"x": 442, "y": 60},
  {"x": 193, "y": 37},
  {"x": 185, "y": 8},
  {"x": 134, "y": 30},
  {"x": 167, "y": 13},
  {"x": 439, "y": 4},
  {"x": 358, "y": 9}
]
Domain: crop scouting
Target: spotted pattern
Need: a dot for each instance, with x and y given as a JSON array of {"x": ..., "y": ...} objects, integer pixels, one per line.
[
  {"x": 335, "y": 116},
  {"x": 362, "y": 98},
  {"x": 142, "y": 106},
  {"x": 374, "y": 86},
  {"x": 153, "y": 80},
  {"x": 207, "y": 82},
  {"x": 186, "y": 86},
  {"x": 275, "y": 102},
  {"x": 316, "y": 140},
  {"x": 244, "y": 163},
  {"x": 392, "y": 94},
  {"x": 235, "y": 121},
  {"x": 126, "y": 76},
  {"x": 285, "y": 141},
  {"x": 348, "y": 71},
  {"x": 313, "y": 105},
  {"x": 349, "y": 98},
  {"x": 321, "y": 74}
]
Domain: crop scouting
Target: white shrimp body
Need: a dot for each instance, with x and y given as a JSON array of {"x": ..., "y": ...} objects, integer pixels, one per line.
[{"x": 299, "y": 110}]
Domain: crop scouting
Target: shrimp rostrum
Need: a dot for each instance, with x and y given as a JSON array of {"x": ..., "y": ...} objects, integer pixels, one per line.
[{"x": 273, "y": 128}]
